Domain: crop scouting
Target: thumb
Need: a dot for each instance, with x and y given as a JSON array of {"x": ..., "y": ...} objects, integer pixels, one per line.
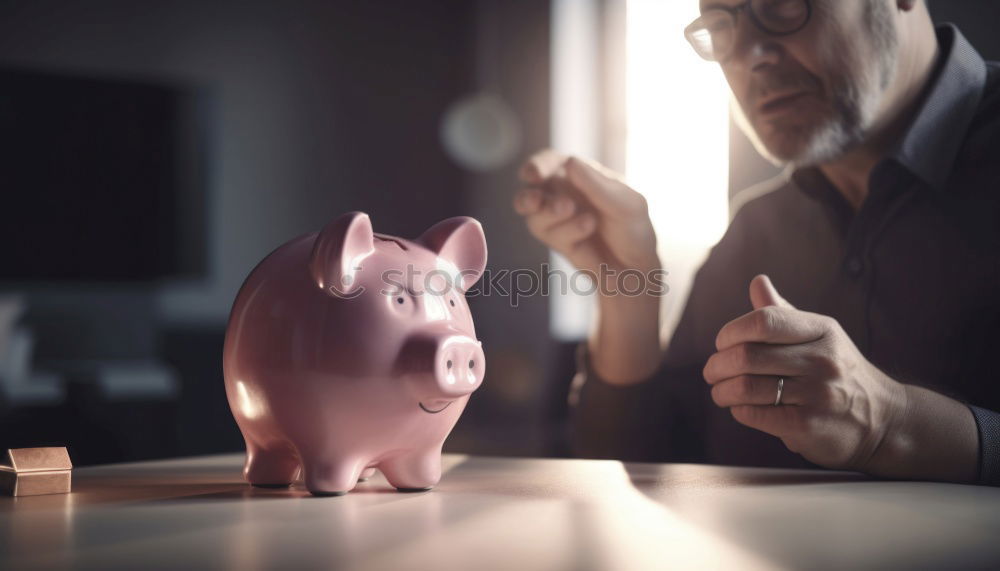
[
  {"x": 763, "y": 293},
  {"x": 541, "y": 166},
  {"x": 604, "y": 189}
]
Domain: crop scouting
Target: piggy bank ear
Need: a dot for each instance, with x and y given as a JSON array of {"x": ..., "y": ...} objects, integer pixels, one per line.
[
  {"x": 459, "y": 241},
  {"x": 338, "y": 251}
]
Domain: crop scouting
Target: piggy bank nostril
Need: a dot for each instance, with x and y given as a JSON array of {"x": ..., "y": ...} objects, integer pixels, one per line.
[
  {"x": 472, "y": 364},
  {"x": 449, "y": 363}
]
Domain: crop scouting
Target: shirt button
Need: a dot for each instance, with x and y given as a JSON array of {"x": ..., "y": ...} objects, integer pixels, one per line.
[{"x": 854, "y": 266}]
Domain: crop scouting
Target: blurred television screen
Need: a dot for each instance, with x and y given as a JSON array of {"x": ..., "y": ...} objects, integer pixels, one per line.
[{"x": 102, "y": 179}]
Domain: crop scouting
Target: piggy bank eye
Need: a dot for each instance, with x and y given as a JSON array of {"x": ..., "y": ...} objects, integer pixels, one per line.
[
  {"x": 401, "y": 302},
  {"x": 452, "y": 302}
]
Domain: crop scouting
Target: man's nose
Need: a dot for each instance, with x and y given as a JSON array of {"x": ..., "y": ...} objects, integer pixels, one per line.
[{"x": 753, "y": 48}]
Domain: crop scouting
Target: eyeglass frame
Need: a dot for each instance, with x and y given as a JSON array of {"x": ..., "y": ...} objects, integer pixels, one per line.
[{"x": 747, "y": 6}]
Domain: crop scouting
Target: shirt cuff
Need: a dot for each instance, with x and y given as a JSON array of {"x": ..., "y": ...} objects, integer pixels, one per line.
[
  {"x": 588, "y": 381},
  {"x": 585, "y": 375},
  {"x": 988, "y": 424},
  {"x": 611, "y": 421}
]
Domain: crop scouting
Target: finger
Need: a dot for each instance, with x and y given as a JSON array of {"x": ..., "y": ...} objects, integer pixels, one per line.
[
  {"x": 564, "y": 236},
  {"x": 756, "y": 390},
  {"x": 560, "y": 206},
  {"x": 542, "y": 222},
  {"x": 757, "y": 359},
  {"x": 773, "y": 324},
  {"x": 528, "y": 201},
  {"x": 541, "y": 166},
  {"x": 603, "y": 188},
  {"x": 763, "y": 293},
  {"x": 780, "y": 421},
  {"x": 556, "y": 209}
]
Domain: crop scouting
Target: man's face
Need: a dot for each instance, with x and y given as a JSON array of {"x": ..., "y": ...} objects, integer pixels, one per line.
[{"x": 808, "y": 97}]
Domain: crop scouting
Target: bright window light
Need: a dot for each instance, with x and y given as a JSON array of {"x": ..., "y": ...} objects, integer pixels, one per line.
[
  {"x": 677, "y": 139},
  {"x": 676, "y": 134},
  {"x": 575, "y": 130}
]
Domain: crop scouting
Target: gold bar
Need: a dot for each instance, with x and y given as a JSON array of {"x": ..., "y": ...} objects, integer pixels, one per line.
[{"x": 36, "y": 471}]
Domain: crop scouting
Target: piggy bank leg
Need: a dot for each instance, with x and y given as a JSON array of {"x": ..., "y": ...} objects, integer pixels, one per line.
[
  {"x": 413, "y": 472},
  {"x": 365, "y": 474},
  {"x": 274, "y": 467},
  {"x": 331, "y": 478}
]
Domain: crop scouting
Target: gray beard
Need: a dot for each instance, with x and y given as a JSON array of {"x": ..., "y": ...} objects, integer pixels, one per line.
[{"x": 856, "y": 101}]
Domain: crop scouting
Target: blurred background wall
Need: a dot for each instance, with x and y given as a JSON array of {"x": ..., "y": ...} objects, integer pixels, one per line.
[{"x": 282, "y": 116}]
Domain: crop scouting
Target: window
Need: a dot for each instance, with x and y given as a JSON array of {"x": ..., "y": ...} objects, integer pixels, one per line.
[
  {"x": 677, "y": 139},
  {"x": 669, "y": 126}
]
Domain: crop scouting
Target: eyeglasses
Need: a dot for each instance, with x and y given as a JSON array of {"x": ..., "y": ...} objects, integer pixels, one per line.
[{"x": 713, "y": 35}]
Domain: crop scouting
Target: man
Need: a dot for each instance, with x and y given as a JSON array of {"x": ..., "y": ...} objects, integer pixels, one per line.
[{"x": 883, "y": 236}]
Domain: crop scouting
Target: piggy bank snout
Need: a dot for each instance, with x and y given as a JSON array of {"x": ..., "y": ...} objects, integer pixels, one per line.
[
  {"x": 461, "y": 365},
  {"x": 446, "y": 366}
]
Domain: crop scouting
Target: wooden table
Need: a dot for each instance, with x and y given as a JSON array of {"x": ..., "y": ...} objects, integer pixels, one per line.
[{"x": 503, "y": 513}]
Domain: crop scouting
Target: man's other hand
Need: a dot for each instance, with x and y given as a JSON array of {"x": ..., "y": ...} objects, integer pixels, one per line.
[
  {"x": 586, "y": 213},
  {"x": 836, "y": 407},
  {"x": 589, "y": 215}
]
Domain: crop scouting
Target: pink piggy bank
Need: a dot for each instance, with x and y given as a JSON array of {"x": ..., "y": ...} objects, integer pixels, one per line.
[{"x": 348, "y": 350}]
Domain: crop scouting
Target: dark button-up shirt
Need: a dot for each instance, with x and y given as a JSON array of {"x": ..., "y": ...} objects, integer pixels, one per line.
[{"x": 913, "y": 277}]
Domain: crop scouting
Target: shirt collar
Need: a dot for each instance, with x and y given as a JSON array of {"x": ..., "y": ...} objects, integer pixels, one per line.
[{"x": 930, "y": 145}]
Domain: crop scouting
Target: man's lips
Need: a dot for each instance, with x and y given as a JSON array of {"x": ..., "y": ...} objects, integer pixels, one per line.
[
  {"x": 434, "y": 411},
  {"x": 780, "y": 103}
]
